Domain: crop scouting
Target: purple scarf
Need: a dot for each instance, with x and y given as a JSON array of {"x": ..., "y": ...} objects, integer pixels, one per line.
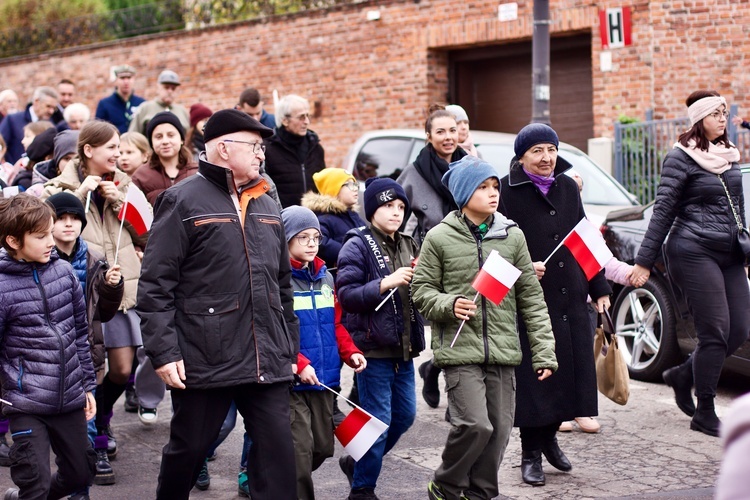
[{"x": 543, "y": 183}]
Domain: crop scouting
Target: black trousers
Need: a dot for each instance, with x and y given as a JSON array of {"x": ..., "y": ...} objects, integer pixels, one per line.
[
  {"x": 716, "y": 288},
  {"x": 196, "y": 421},
  {"x": 533, "y": 438},
  {"x": 33, "y": 436}
]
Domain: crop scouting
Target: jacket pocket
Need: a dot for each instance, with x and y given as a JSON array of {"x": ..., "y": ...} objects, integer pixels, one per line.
[
  {"x": 455, "y": 390},
  {"x": 216, "y": 316},
  {"x": 23, "y": 463}
]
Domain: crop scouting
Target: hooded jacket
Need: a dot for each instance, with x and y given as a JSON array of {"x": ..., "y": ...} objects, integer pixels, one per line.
[
  {"x": 450, "y": 258},
  {"x": 336, "y": 219},
  {"x": 45, "y": 364},
  {"x": 102, "y": 228},
  {"x": 215, "y": 289}
]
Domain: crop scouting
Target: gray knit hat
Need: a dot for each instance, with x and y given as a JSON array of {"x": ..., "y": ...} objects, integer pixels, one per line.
[
  {"x": 66, "y": 142},
  {"x": 464, "y": 177},
  {"x": 297, "y": 219},
  {"x": 458, "y": 112}
]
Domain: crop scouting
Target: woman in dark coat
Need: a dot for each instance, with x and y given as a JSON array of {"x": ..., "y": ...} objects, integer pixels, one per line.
[
  {"x": 546, "y": 205},
  {"x": 692, "y": 204}
]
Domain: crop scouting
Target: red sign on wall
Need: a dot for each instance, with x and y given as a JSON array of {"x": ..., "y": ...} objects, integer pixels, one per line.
[{"x": 615, "y": 27}]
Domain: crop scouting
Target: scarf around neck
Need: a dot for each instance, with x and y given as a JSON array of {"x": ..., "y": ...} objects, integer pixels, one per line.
[
  {"x": 431, "y": 167},
  {"x": 541, "y": 182},
  {"x": 716, "y": 160}
]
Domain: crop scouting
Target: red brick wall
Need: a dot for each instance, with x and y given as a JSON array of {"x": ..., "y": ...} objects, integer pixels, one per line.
[{"x": 382, "y": 74}]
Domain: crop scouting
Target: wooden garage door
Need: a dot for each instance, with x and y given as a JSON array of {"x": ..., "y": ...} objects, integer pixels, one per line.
[{"x": 493, "y": 84}]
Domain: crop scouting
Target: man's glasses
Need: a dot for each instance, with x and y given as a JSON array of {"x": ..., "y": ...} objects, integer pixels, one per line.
[
  {"x": 257, "y": 146},
  {"x": 717, "y": 115},
  {"x": 302, "y": 117},
  {"x": 305, "y": 240},
  {"x": 352, "y": 185}
]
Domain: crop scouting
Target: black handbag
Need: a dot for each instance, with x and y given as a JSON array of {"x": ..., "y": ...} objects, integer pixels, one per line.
[{"x": 743, "y": 236}]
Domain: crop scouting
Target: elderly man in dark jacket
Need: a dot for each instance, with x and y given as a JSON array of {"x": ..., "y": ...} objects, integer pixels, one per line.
[
  {"x": 294, "y": 153},
  {"x": 217, "y": 313}
]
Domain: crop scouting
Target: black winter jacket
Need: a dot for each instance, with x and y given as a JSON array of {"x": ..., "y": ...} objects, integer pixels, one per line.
[
  {"x": 214, "y": 293},
  {"x": 692, "y": 203},
  {"x": 45, "y": 364},
  {"x": 292, "y": 177}
]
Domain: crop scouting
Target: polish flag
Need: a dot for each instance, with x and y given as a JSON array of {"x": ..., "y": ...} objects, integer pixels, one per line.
[
  {"x": 495, "y": 278},
  {"x": 358, "y": 432},
  {"x": 587, "y": 245},
  {"x": 136, "y": 210}
]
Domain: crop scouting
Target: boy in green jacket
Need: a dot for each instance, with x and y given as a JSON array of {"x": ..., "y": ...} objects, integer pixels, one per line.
[{"x": 479, "y": 368}]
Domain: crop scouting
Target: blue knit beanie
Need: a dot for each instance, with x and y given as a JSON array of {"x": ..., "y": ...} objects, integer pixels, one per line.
[
  {"x": 381, "y": 190},
  {"x": 297, "y": 219},
  {"x": 532, "y": 134},
  {"x": 464, "y": 177}
]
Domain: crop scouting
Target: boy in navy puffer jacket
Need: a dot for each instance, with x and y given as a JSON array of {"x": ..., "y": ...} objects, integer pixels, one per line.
[
  {"x": 45, "y": 363},
  {"x": 323, "y": 341},
  {"x": 373, "y": 283}
]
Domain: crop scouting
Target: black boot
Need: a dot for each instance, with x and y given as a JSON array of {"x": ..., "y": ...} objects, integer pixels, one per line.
[
  {"x": 111, "y": 441},
  {"x": 555, "y": 456},
  {"x": 531, "y": 468},
  {"x": 104, "y": 472},
  {"x": 430, "y": 389},
  {"x": 705, "y": 419},
  {"x": 680, "y": 379},
  {"x": 338, "y": 415},
  {"x": 4, "y": 452}
]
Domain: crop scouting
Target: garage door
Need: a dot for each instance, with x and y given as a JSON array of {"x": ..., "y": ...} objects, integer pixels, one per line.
[{"x": 493, "y": 84}]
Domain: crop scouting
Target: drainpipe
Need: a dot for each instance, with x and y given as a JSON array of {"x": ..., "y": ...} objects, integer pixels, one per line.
[{"x": 540, "y": 89}]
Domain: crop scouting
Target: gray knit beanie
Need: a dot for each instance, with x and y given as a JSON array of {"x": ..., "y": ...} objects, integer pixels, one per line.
[
  {"x": 464, "y": 177},
  {"x": 297, "y": 219}
]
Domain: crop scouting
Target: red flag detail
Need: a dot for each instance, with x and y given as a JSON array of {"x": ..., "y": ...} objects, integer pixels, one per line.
[
  {"x": 586, "y": 244},
  {"x": 358, "y": 432},
  {"x": 496, "y": 278},
  {"x": 137, "y": 210}
]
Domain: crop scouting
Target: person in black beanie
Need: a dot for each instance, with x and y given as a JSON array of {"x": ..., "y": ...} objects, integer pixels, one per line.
[
  {"x": 39, "y": 150},
  {"x": 217, "y": 255}
]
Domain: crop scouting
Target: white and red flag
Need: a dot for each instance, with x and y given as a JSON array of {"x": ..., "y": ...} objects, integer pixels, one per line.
[
  {"x": 496, "y": 278},
  {"x": 587, "y": 245},
  {"x": 358, "y": 432},
  {"x": 136, "y": 210}
]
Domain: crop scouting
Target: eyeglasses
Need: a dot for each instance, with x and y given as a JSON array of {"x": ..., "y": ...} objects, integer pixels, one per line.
[
  {"x": 352, "y": 185},
  {"x": 717, "y": 115},
  {"x": 305, "y": 240},
  {"x": 257, "y": 146},
  {"x": 302, "y": 117}
]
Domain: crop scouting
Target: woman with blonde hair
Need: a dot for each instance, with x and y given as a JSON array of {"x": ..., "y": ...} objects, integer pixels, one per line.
[{"x": 94, "y": 179}]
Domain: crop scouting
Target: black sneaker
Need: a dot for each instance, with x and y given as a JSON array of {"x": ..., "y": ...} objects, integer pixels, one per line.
[
  {"x": 347, "y": 467},
  {"x": 131, "y": 399},
  {"x": 204, "y": 478},
  {"x": 111, "y": 441},
  {"x": 11, "y": 494},
  {"x": 363, "y": 494},
  {"x": 434, "y": 491},
  {"x": 104, "y": 473},
  {"x": 4, "y": 452}
]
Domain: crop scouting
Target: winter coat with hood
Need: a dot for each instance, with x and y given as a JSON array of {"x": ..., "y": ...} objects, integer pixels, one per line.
[
  {"x": 215, "y": 290},
  {"x": 336, "y": 219},
  {"x": 450, "y": 257},
  {"x": 396, "y": 330},
  {"x": 103, "y": 226},
  {"x": 290, "y": 170},
  {"x": 324, "y": 342},
  {"x": 545, "y": 220},
  {"x": 65, "y": 144},
  {"x": 45, "y": 363}
]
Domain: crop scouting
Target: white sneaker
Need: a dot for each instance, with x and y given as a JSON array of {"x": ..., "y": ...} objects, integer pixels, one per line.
[{"x": 147, "y": 416}]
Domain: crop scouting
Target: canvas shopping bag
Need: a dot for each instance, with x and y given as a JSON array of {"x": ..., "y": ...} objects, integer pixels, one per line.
[{"x": 612, "y": 376}]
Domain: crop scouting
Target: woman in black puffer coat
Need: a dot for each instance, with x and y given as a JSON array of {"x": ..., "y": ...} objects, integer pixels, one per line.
[{"x": 698, "y": 178}]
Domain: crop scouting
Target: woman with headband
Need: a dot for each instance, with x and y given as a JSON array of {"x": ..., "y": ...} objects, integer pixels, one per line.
[{"x": 698, "y": 179}]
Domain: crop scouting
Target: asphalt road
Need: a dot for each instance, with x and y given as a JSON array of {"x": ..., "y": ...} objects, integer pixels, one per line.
[{"x": 645, "y": 450}]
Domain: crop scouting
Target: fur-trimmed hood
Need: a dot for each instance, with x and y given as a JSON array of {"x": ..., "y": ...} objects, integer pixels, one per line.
[{"x": 324, "y": 204}]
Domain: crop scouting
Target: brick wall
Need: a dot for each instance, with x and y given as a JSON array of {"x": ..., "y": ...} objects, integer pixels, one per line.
[{"x": 381, "y": 74}]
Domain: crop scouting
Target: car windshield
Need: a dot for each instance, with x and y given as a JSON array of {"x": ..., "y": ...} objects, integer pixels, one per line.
[{"x": 598, "y": 189}]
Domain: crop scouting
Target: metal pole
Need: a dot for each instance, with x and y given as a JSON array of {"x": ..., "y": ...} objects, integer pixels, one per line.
[{"x": 540, "y": 64}]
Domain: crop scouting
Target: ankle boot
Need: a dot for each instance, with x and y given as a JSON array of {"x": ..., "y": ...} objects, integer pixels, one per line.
[
  {"x": 705, "y": 419},
  {"x": 680, "y": 379},
  {"x": 555, "y": 456},
  {"x": 430, "y": 389},
  {"x": 531, "y": 467}
]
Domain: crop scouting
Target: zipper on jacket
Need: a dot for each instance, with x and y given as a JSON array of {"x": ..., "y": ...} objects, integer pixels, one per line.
[
  {"x": 304, "y": 179},
  {"x": 57, "y": 334},
  {"x": 484, "y": 308}
]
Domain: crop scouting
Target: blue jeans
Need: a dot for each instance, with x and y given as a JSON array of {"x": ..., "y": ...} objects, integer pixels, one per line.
[{"x": 386, "y": 390}]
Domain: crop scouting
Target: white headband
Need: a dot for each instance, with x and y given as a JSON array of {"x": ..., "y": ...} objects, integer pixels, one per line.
[{"x": 704, "y": 107}]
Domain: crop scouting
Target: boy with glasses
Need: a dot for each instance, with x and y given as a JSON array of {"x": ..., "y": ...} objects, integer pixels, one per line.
[{"x": 323, "y": 343}]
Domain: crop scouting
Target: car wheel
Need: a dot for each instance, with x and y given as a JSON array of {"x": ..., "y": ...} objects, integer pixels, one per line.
[{"x": 645, "y": 323}]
